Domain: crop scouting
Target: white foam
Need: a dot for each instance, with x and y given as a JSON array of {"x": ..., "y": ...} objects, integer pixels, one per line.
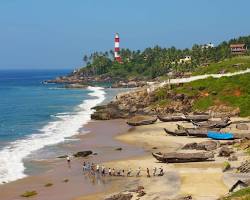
[{"x": 11, "y": 157}]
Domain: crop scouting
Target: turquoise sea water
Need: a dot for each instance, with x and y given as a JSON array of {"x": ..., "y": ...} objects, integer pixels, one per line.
[{"x": 34, "y": 115}]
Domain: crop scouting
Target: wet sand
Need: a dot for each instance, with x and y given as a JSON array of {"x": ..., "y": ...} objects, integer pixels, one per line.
[{"x": 99, "y": 140}]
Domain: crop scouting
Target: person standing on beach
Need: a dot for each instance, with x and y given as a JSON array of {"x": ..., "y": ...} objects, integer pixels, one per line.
[
  {"x": 148, "y": 174},
  {"x": 113, "y": 171},
  {"x": 154, "y": 171},
  {"x": 68, "y": 161},
  {"x": 110, "y": 174},
  {"x": 138, "y": 172},
  {"x": 161, "y": 172},
  {"x": 103, "y": 170},
  {"x": 84, "y": 166},
  {"x": 129, "y": 172},
  {"x": 97, "y": 168}
]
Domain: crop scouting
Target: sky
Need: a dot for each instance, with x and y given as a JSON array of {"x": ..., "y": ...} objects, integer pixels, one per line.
[{"x": 55, "y": 34}]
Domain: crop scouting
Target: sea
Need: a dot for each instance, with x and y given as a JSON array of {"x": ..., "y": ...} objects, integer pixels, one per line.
[{"x": 36, "y": 116}]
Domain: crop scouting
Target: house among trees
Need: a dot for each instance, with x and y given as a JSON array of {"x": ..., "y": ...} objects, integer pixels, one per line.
[
  {"x": 238, "y": 48},
  {"x": 186, "y": 59}
]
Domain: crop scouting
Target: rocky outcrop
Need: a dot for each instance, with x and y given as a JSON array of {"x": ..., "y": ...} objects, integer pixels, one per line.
[
  {"x": 120, "y": 196},
  {"x": 127, "y": 195},
  {"x": 242, "y": 126},
  {"x": 141, "y": 120},
  {"x": 245, "y": 167},
  {"x": 207, "y": 145},
  {"x": 225, "y": 152}
]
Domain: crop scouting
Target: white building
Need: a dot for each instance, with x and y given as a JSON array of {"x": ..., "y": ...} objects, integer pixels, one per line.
[
  {"x": 186, "y": 59},
  {"x": 206, "y": 46}
]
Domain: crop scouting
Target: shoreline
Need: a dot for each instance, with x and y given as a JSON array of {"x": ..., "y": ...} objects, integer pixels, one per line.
[
  {"x": 202, "y": 180},
  {"x": 102, "y": 144}
]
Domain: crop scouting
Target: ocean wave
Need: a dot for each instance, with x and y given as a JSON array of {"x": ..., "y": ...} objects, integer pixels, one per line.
[{"x": 11, "y": 157}]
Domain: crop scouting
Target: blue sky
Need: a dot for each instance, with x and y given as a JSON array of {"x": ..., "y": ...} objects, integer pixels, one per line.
[{"x": 55, "y": 34}]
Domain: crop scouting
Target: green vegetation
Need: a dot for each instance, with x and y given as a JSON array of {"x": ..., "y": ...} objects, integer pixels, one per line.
[
  {"x": 29, "y": 193},
  {"x": 157, "y": 61},
  {"x": 228, "y": 65},
  {"x": 229, "y": 91},
  {"x": 243, "y": 194}
]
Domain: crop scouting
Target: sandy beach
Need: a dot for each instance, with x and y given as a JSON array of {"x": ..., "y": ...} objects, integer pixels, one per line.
[
  {"x": 100, "y": 140},
  {"x": 202, "y": 180}
]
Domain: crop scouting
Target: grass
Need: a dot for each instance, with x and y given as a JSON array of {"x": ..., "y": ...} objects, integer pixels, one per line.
[
  {"x": 243, "y": 194},
  {"x": 228, "y": 65},
  {"x": 232, "y": 92},
  {"x": 226, "y": 166},
  {"x": 29, "y": 193}
]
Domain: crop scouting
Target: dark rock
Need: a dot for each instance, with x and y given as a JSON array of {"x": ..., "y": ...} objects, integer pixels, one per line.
[
  {"x": 83, "y": 153},
  {"x": 244, "y": 167},
  {"x": 154, "y": 148},
  {"x": 233, "y": 158},
  {"x": 141, "y": 193},
  {"x": 184, "y": 198},
  {"x": 118, "y": 149},
  {"x": 206, "y": 145},
  {"x": 120, "y": 196},
  {"x": 202, "y": 88},
  {"x": 225, "y": 152},
  {"x": 242, "y": 126},
  {"x": 214, "y": 93}
]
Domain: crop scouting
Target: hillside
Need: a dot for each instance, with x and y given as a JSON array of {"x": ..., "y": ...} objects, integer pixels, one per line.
[
  {"x": 158, "y": 63},
  {"x": 227, "y": 96},
  {"x": 228, "y": 65}
]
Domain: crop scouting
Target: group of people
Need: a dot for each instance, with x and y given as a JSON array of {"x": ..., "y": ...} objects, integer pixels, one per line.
[{"x": 97, "y": 169}]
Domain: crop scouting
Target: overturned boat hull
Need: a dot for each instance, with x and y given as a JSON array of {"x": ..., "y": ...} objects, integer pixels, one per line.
[
  {"x": 188, "y": 132},
  {"x": 141, "y": 122},
  {"x": 183, "y": 157}
]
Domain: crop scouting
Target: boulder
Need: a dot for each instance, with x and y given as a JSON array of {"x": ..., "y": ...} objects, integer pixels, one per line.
[
  {"x": 225, "y": 152},
  {"x": 242, "y": 126},
  {"x": 233, "y": 158},
  {"x": 206, "y": 145},
  {"x": 244, "y": 167},
  {"x": 83, "y": 153},
  {"x": 120, "y": 196}
]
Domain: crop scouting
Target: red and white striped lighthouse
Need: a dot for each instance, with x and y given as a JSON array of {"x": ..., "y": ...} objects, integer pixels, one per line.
[{"x": 117, "y": 48}]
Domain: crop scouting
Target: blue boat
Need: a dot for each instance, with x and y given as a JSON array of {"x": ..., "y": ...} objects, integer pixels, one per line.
[{"x": 220, "y": 136}]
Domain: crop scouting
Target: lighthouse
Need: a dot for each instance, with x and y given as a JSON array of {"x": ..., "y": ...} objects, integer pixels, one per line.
[{"x": 117, "y": 48}]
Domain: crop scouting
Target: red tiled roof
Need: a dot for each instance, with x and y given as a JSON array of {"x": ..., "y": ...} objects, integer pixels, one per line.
[{"x": 237, "y": 45}]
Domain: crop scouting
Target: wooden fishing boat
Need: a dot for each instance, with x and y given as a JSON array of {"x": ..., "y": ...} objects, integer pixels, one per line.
[
  {"x": 141, "y": 120},
  {"x": 220, "y": 136},
  {"x": 183, "y": 157},
  {"x": 174, "y": 118},
  {"x": 213, "y": 124},
  {"x": 188, "y": 132},
  {"x": 197, "y": 118},
  {"x": 176, "y": 132}
]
